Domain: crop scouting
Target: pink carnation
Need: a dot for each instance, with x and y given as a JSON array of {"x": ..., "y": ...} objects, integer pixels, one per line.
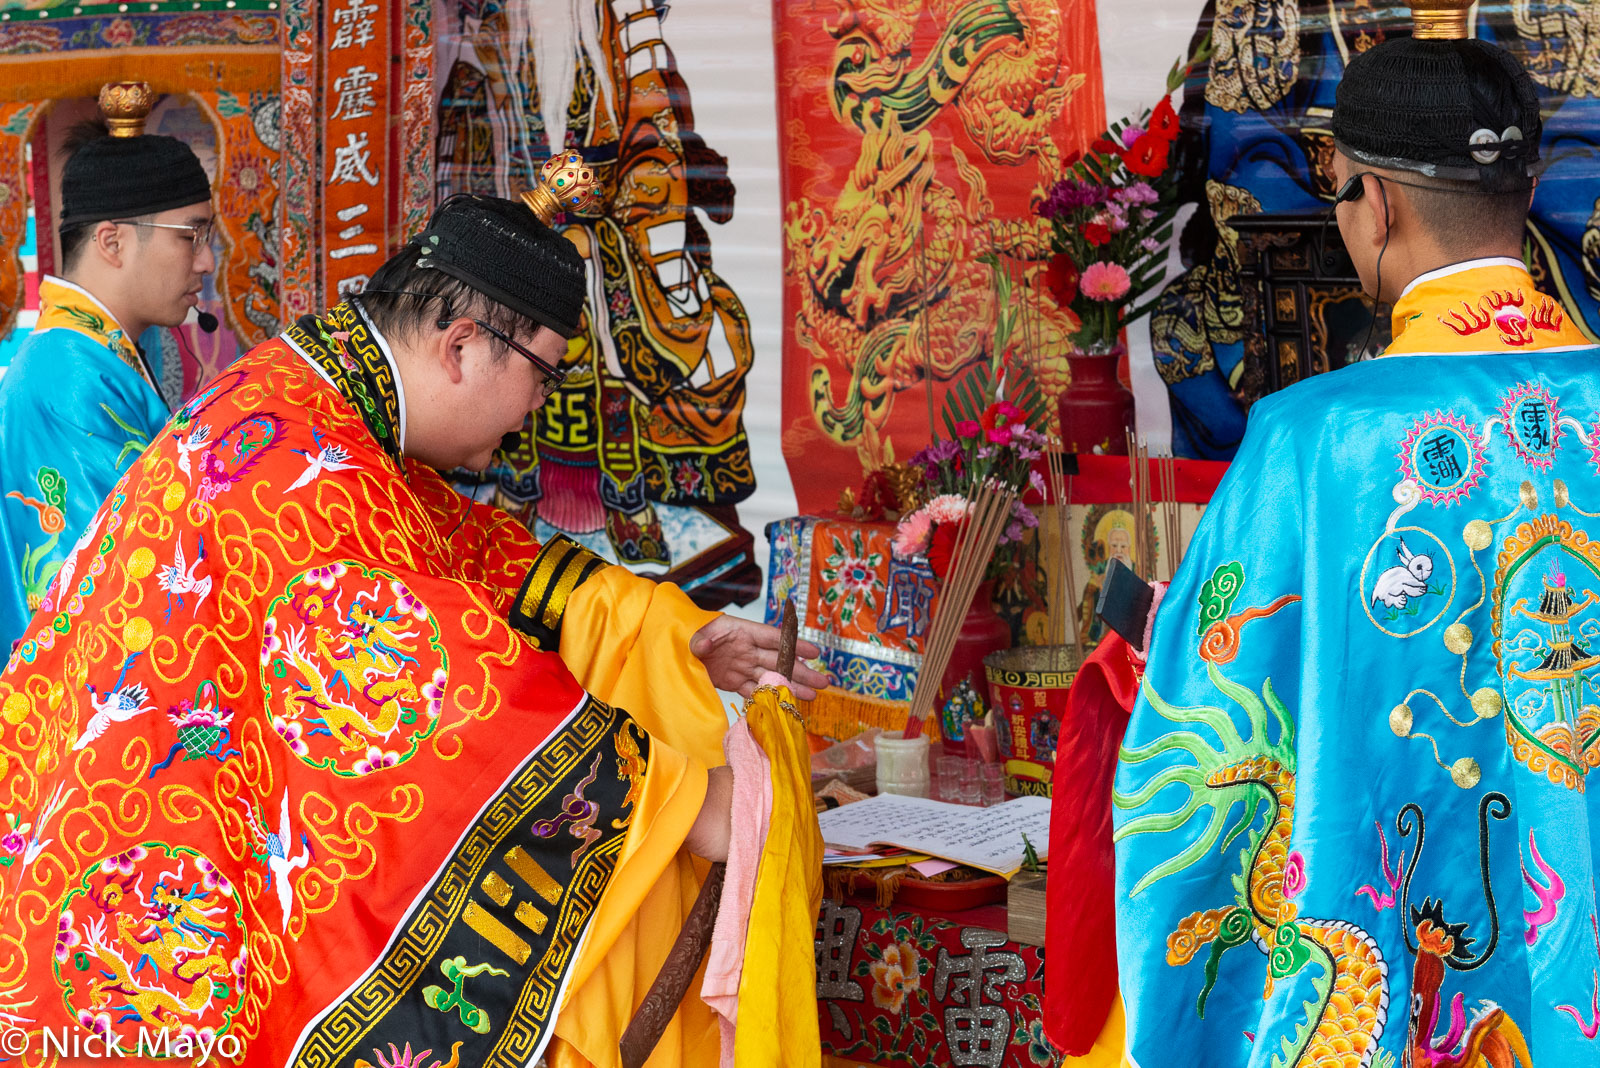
[
  {"x": 912, "y": 536},
  {"x": 1104, "y": 281},
  {"x": 968, "y": 428},
  {"x": 946, "y": 508}
]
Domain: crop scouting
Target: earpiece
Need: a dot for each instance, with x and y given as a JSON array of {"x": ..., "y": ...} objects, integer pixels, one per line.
[{"x": 1352, "y": 190}]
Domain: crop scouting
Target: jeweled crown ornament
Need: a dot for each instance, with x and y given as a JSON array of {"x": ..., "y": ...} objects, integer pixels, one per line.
[
  {"x": 1440, "y": 20},
  {"x": 125, "y": 106},
  {"x": 566, "y": 183}
]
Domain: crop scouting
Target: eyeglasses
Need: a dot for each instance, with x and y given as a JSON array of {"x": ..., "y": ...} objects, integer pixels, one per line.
[
  {"x": 199, "y": 233},
  {"x": 553, "y": 376}
]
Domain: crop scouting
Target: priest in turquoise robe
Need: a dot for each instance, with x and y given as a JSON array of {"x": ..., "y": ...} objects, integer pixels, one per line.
[
  {"x": 1352, "y": 811},
  {"x": 80, "y": 401}
]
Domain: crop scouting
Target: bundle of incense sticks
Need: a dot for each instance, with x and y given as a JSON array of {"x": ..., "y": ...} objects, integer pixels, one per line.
[
  {"x": 1139, "y": 485},
  {"x": 1165, "y": 472},
  {"x": 1063, "y": 585},
  {"x": 988, "y": 511},
  {"x": 1172, "y": 530}
]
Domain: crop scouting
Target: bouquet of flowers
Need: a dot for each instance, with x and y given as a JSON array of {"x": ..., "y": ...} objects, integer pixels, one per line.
[
  {"x": 996, "y": 446},
  {"x": 1111, "y": 217}
]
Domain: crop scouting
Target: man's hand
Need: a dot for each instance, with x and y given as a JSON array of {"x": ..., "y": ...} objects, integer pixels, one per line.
[{"x": 736, "y": 651}]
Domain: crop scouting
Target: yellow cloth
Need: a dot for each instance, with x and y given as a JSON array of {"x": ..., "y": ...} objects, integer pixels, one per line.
[
  {"x": 624, "y": 638},
  {"x": 778, "y": 989},
  {"x": 1488, "y": 306},
  {"x": 65, "y": 306}
]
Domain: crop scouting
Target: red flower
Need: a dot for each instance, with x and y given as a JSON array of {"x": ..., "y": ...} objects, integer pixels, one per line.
[
  {"x": 1147, "y": 156},
  {"x": 1061, "y": 278},
  {"x": 1096, "y": 234},
  {"x": 942, "y": 548},
  {"x": 998, "y": 421},
  {"x": 1105, "y": 146},
  {"x": 1164, "y": 121}
]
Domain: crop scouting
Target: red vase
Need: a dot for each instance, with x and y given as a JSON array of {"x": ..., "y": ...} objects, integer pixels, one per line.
[
  {"x": 1096, "y": 409},
  {"x": 964, "y": 688}
]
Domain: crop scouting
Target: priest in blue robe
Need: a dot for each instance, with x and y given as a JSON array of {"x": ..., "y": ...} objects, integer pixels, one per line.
[
  {"x": 1351, "y": 809},
  {"x": 80, "y": 402}
]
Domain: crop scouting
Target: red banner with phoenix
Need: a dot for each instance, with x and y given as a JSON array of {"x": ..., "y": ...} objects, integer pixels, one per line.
[{"x": 917, "y": 137}]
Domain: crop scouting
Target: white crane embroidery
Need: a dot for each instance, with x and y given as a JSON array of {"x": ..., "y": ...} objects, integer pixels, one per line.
[
  {"x": 118, "y": 706},
  {"x": 275, "y": 853},
  {"x": 198, "y": 438},
  {"x": 179, "y": 578},
  {"x": 326, "y": 458}
]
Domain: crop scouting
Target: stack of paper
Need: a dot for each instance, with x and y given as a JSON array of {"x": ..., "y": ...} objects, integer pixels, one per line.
[{"x": 986, "y": 838}]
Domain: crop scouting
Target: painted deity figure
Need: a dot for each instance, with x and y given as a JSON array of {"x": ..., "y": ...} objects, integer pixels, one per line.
[{"x": 641, "y": 454}]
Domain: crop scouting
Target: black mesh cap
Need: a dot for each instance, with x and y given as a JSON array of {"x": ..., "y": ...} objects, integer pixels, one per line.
[
  {"x": 119, "y": 177},
  {"x": 1459, "y": 110},
  {"x": 502, "y": 250}
]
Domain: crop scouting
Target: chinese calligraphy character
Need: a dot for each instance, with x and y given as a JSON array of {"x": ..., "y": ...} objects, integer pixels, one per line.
[
  {"x": 977, "y": 1026},
  {"x": 910, "y": 602},
  {"x": 354, "y": 284},
  {"x": 1534, "y": 418},
  {"x": 350, "y": 161},
  {"x": 353, "y": 24},
  {"x": 355, "y": 93},
  {"x": 1439, "y": 454},
  {"x": 837, "y": 928}
]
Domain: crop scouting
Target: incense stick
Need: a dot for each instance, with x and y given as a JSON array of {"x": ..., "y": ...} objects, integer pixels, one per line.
[
  {"x": 1064, "y": 588},
  {"x": 927, "y": 348},
  {"x": 988, "y": 511}
]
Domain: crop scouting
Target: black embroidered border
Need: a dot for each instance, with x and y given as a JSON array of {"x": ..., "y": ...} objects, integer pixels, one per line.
[
  {"x": 560, "y": 568},
  {"x": 371, "y": 387},
  {"x": 513, "y": 896}
]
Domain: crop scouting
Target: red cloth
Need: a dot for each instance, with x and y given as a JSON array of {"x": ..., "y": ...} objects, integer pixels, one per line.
[
  {"x": 1106, "y": 479},
  {"x": 1080, "y": 959}
]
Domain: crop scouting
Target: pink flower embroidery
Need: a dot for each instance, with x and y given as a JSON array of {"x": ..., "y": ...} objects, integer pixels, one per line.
[
  {"x": 407, "y": 602},
  {"x": 327, "y": 576},
  {"x": 97, "y": 1024},
  {"x": 1294, "y": 875},
  {"x": 66, "y": 937},
  {"x": 375, "y": 760},
  {"x": 212, "y": 879},
  {"x": 433, "y": 692},
  {"x": 270, "y": 641},
  {"x": 290, "y": 733},
  {"x": 123, "y": 863}
]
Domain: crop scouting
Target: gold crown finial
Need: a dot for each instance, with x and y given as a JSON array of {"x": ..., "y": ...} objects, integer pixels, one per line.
[
  {"x": 125, "y": 106},
  {"x": 1440, "y": 20},
  {"x": 566, "y": 183}
]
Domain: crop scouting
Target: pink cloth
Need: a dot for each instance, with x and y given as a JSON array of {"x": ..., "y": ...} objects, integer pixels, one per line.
[{"x": 752, "y": 815}]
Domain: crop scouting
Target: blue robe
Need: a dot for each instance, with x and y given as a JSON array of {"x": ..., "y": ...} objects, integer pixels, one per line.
[
  {"x": 1351, "y": 809},
  {"x": 74, "y": 415}
]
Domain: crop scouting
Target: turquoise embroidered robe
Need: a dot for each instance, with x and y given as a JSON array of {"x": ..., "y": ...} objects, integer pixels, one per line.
[
  {"x": 1352, "y": 817},
  {"x": 76, "y": 409}
]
